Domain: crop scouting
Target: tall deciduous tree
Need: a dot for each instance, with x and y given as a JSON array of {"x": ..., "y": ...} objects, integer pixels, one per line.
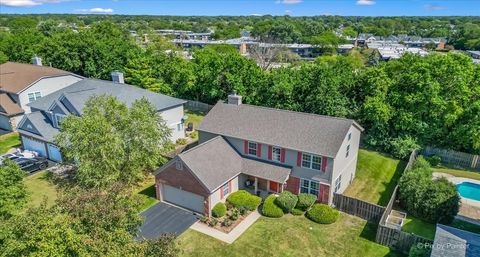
[
  {"x": 111, "y": 142},
  {"x": 12, "y": 190}
]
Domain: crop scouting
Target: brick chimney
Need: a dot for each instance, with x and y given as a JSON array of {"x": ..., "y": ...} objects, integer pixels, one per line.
[
  {"x": 234, "y": 98},
  {"x": 117, "y": 77}
]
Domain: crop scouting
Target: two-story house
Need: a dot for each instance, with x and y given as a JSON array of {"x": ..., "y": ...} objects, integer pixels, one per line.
[
  {"x": 21, "y": 84},
  {"x": 262, "y": 150},
  {"x": 38, "y": 128}
]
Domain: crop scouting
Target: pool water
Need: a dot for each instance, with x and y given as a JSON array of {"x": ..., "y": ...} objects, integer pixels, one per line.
[{"x": 469, "y": 190}]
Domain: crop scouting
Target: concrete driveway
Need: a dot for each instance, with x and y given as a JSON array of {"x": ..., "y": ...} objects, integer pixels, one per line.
[{"x": 165, "y": 218}]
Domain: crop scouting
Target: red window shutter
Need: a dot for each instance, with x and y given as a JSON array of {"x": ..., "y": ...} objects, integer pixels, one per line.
[
  {"x": 245, "y": 146},
  {"x": 282, "y": 155},
  {"x": 324, "y": 163},
  {"x": 299, "y": 159},
  {"x": 229, "y": 186},
  {"x": 221, "y": 192},
  {"x": 259, "y": 150},
  {"x": 269, "y": 152}
]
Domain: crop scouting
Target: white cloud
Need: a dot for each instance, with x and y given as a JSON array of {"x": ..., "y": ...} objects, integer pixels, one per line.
[
  {"x": 288, "y": 11},
  {"x": 96, "y": 10},
  {"x": 256, "y": 14},
  {"x": 288, "y": 1},
  {"x": 432, "y": 7},
  {"x": 365, "y": 2},
  {"x": 28, "y": 3}
]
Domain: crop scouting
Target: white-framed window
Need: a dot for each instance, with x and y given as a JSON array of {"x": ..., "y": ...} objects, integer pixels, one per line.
[
  {"x": 311, "y": 161},
  {"x": 348, "y": 151},
  {"x": 309, "y": 187},
  {"x": 349, "y": 136},
  {"x": 225, "y": 189},
  {"x": 58, "y": 119},
  {"x": 276, "y": 153},
  {"x": 338, "y": 183},
  {"x": 34, "y": 96},
  {"x": 252, "y": 148},
  {"x": 180, "y": 126}
]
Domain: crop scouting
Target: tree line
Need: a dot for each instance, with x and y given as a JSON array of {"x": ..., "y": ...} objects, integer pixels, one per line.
[{"x": 402, "y": 104}]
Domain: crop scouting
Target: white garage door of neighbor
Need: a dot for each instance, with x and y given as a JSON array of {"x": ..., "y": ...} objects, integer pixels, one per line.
[
  {"x": 34, "y": 145},
  {"x": 182, "y": 198},
  {"x": 54, "y": 153}
]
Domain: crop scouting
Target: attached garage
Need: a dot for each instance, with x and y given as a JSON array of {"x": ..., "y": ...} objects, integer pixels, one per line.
[
  {"x": 54, "y": 153},
  {"x": 182, "y": 198},
  {"x": 34, "y": 145}
]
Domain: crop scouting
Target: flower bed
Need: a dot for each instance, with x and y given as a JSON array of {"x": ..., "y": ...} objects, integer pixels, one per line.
[{"x": 229, "y": 221}]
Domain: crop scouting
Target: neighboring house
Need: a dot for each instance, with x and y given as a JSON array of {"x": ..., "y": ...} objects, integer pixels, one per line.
[
  {"x": 38, "y": 129},
  {"x": 453, "y": 242},
  {"x": 22, "y": 83},
  {"x": 262, "y": 150}
]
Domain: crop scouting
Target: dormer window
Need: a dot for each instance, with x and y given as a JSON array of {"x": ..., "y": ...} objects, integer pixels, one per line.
[
  {"x": 58, "y": 118},
  {"x": 34, "y": 96}
]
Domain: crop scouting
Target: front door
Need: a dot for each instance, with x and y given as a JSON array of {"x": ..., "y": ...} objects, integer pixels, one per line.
[
  {"x": 274, "y": 186},
  {"x": 324, "y": 193}
]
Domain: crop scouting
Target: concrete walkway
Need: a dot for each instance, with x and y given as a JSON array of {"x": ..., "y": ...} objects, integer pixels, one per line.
[{"x": 233, "y": 235}]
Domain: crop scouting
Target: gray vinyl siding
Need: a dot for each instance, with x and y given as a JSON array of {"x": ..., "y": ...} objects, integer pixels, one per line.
[{"x": 290, "y": 159}]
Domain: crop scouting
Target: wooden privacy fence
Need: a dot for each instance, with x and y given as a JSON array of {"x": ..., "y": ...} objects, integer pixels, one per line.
[
  {"x": 198, "y": 106},
  {"x": 397, "y": 239},
  {"x": 454, "y": 158},
  {"x": 359, "y": 208}
]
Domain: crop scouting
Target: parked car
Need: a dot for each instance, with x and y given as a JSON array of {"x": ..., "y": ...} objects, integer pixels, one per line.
[{"x": 32, "y": 164}]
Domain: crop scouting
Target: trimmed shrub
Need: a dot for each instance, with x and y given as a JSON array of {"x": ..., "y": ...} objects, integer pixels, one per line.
[
  {"x": 297, "y": 212},
  {"x": 323, "y": 214},
  {"x": 242, "y": 210},
  {"x": 235, "y": 214},
  {"x": 219, "y": 210},
  {"x": 227, "y": 223},
  {"x": 287, "y": 201},
  {"x": 181, "y": 141},
  {"x": 421, "y": 163},
  {"x": 244, "y": 199},
  {"x": 213, "y": 222},
  {"x": 204, "y": 219},
  {"x": 434, "y": 160},
  {"x": 270, "y": 209},
  {"x": 305, "y": 201}
]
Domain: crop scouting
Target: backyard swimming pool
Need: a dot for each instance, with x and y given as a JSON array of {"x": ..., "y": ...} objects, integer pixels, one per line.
[{"x": 469, "y": 190}]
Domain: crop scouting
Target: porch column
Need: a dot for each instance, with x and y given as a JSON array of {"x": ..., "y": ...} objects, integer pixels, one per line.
[
  {"x": 255, "y": 184},
  {"x": 268, "y": 185},
  {"x": 281, "y": 187}
]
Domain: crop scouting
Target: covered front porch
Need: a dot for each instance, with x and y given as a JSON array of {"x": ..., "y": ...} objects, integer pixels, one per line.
[{"x": 259, "y": 186}]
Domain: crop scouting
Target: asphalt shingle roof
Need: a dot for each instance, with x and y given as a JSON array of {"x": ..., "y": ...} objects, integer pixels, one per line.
[
  {"x": 42, "y": 124},
  {"x": 306, "y": 132},
  {"x": 78, "y": 93},
  {"x": 452, "y": 242},
  {"x": 8, "y": 106},
  {"x": 214, "y": 162}
]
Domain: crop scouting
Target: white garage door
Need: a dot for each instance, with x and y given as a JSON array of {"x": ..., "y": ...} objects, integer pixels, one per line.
[
  {"x": 34, "y": 145},
  {"x": 182, "y": 198},
  {"x": 54, "y": 153}
]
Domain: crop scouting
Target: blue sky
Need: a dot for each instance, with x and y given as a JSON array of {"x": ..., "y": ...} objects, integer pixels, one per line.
[{"x": 248, "y": 7}]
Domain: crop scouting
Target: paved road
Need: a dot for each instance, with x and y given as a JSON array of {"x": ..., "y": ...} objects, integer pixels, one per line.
[{"x": 165, "y": 218}]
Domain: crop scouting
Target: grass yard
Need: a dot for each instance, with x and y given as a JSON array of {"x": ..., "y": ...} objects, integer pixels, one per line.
[
  {"x": 8, "y": 141},
  {"x": 459, "y": 173},
  {"x": 146, "y": 191},
  {"x": 290, "y": 236},
  {"x": 376, "y": 177},
  {"x": 419, "y": 227},
  {"x": 40, "y": 188},
  {"x": 194, "y": 117}
]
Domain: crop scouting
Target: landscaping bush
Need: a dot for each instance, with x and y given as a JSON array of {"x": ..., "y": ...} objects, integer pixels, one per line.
[
  {"x": 219, "y": 210},
  {"x": 401, "y": 147},
  {"x": 270, "y": 209},
  {"x": 242, "y": 210},
  {"x": 181, "y": 141},
  {"x": 213, "y": 222},
  {"x": 204, "y": 219},
  {"x": 434, "y": 160},
  {"x": 421, "y": 163},
  {"x": 323, "y": 214},
  {"x": 430, "y": 200},
  {"x": 305, "y": 201},
  {"x": 244, "y": 199},
  {"x": 297, "y": 212},
  {"x": 235, "y": 214},
  {"x": 227, "y": 223},
  {"x": 287, "y": 201}
]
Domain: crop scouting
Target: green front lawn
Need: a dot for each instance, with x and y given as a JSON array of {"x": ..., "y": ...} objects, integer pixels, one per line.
[
  {"x": 39, "y": 188},
  {"x": 290, "y": 236},
  {"x": 8, "y": 141},
  {"x": 459, "y": 173},
  {"x": 376, "y": 177}
]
